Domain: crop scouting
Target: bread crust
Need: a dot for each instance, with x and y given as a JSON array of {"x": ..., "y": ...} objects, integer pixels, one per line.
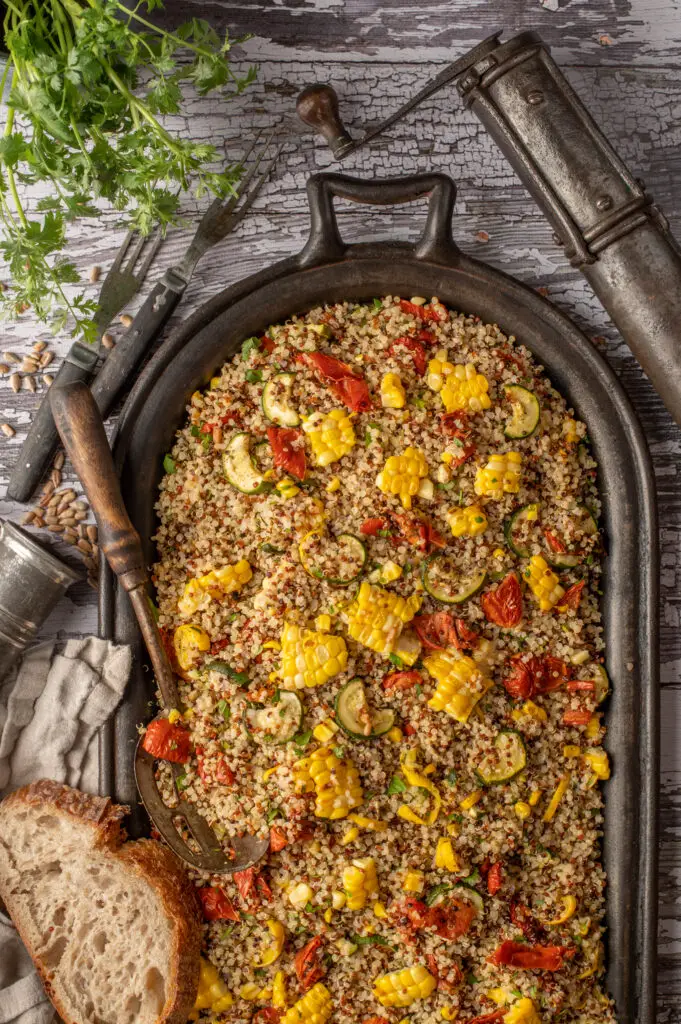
[{"x": 149, "y": 860}]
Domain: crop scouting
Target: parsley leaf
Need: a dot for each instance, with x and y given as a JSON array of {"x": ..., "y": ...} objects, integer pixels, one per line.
[
  {"x": 397, "y": 785},
  {"x": 240, "y": 678},
  {"x": 224, "y": 709},
  {"x": 169, "y": 464},
  {"x": 253, "y": 376}
]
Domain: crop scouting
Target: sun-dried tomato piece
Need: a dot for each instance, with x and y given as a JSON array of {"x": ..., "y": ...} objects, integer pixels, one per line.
[
  {"x": 531, "y": 958},
  {"x": 572, "y": 596},
  {"x": 401, "y": 680},
  {"x": 288, "y": 451},
  {"x": 495, "y": 878},
  {"x": 370, "y": 527},
  {"x": 306, "y": 963},
  {"x": 436, "y": 631},
  {"x": 576, "y": 718},
  {"x": 278, "y": 839},
  {"x": 167, "y": 741},
  {"x": 504, "y": 604},
  {"x": 215, "y": 905},
  {"x": 415, "y": 349}
]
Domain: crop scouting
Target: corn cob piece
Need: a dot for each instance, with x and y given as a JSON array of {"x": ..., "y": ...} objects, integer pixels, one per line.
[
  {"x": 402, "y": 988},
  {"x": 360, "y": 883},
  {"x": 405, "y": 476},
  {"x": 543, "y": 583},
  {"x": 213, "y": 994},
  {"x": 335, "y": 783},
  {"x": 467, "y": 522},
  {"x": 216, "y": 584},
  {"x": 392, "y": 392},
  {"x": 314, "y": 1007},
  {"x": 465, "y": 388},
  {"x": 331, "y": 435},
  {"x": 460, "y": 683},
  {"x": 438, "y": 370},
  {"x": 500, "y": 476},
  {"x": 310, "y": 658},
  {"x": 377, "y": 617}
]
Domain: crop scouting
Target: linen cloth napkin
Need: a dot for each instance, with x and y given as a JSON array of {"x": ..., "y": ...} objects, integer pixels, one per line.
[{"x": 50, "y": 711}]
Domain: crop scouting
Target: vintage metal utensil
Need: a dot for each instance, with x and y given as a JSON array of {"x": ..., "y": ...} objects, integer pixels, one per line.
[
  {"x": 82, "y": 432},
  {"x": 121, "y": 284}
]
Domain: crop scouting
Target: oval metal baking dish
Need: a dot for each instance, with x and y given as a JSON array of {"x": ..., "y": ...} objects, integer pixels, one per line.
[{"x": 329, "y": 270}]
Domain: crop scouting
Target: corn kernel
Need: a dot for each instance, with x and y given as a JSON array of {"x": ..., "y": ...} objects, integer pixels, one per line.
[
  {"x": 522, "y": 809},
  {"x": 300, "y": 894},
  {"x": 445, "y": 857},
  {"x": 413, "y": 881},
  {"x": 310, "y": 658},
  {"x": 530, "y": 710},
  {"x": 333, "y": 484},
  {"x": 447, "y": 458},
  {"x": 392, "y": 392},
  {"x": 403, "y": 474},
  {"x": 287, "y": 488},
  {"x": 350, "y": 836},
  {"x": 360, "y": 882},
  {"x": 467, "y": 522},
  {"x": 543, "y": 583},
  {"x": 462, "y": 387},
  {"x": 325, "y": 731},
  {"x": 522, "y": 1012},
  {"x": 389, "y": 572},
  {"x": 271, "y": 645},
  {"x": 314, "y": 1008},
  {"x": 571, "y": 750},
  {"x": 598, "y": 760},
  {"x": 331, "y": 435},
  {"x": 377, "y": 617},
  {"x": 379, "y": 910},
  {"x": 323, "y": 623},
  {"x": 500, "y": 996},
  {"x": 328, "y": 915},
  {"x": 535, "y": 797},
  {"x": 498, "y": 553},
  {"x": 395, "y": 735},
  {"x": 449, "y": 1013},
  {"x": 174, "y": 716},
  {"x": 460, "y": 683},
  {"x": 402, "y": 988},
  {"x": 338, "y": 899}
]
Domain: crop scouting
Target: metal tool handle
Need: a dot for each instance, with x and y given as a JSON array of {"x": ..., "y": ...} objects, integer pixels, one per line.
[
  {"x": 82, "y": 432},
  {"x": 317, "y": 106},
  {"x": 325, "y": 243},
  {"x": 42, "y": 439},
  {"x": 123, "y": 360}
]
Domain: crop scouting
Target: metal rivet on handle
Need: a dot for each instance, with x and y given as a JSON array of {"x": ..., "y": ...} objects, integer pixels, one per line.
[
  {"x": 535, "y": 97},
  {"x": 603, "y": 203}
]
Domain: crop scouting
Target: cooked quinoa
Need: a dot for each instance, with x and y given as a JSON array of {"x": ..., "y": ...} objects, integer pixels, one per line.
[{"x": 391, "y": 659}]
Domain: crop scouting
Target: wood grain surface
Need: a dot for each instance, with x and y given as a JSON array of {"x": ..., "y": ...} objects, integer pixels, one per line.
[{"x": 622, "y": 56}]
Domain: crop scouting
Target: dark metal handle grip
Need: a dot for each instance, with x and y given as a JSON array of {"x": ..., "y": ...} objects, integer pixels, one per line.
[
  {"x": 317, "y": 106},
  {"x": 42, "y": 439},
  {"x": 82, "y": 432},
  {"x": 123, "y": 360},
  {"x": 325, "y": 243}
]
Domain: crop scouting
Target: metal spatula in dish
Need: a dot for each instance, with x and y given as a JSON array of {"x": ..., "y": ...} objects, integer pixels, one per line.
[{"x": 82, "y": 432}]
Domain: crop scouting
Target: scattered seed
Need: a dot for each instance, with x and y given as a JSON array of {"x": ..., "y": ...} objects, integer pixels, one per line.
[
  {"x": 48, "y": 488},
  {"x": 92, "y": 534},
  {"x": 29, "y": 382},
  {"x": 68, "y": 521},
  {"x": 15, "y": 382},
  {"x": 53, "y": 501},
  {"x": 85, "y": 547},
  {"x": 125, "y": 319},
  {"x": 70, "y": 535},
  {"x": 4, "y": 368},
  {"x": 55, "y": 527},
  {"x": 29, "y": 365},
  {"x": 107, "y": 341},
  {"x": 94, "y": 275},
  {"x": 10, "y": 357},
  {"x": 39, "y": 346},
  {"x": 28, "y": 518},
  {"x": 51, "y": 515},
  {"x": 59, "y": 460},
  {"x": 80, "y": 506},
  {"x": 79, "y": 516},
  {"x": 46, "y": 358},
  {"x": 55, "y": 477},
  {"x": 7, "y": 430},
  {"x": 68, "y": 495},
  {"x": 90, "y": 563},
  {"x": 48, "y": 378}
]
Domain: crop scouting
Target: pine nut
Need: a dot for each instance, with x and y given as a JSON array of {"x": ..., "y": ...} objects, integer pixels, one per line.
[
  {"x": 125, "y": 319},
  {"x": 48, "y": 488},
  {"x": 29, "y": 365},
  {"x": 48, "y": 378},
  {"x": 51, "y": 516},
  {"x": 46, "y": 358},
  {"x": 107, "y": 341},
  {"x": 68, "y": 521},
  {"x": 92, "y": 534},
  {"x": 79, "y": 516},
  {"x": 10, "y": 357},
  {"x": 29, "y": 383},
  {"x": 59, "y": 460},
  {"x": 39, "y": 346},
  {"x": 68, "y": 495},
  {"x": 4, "y": 368},
  {"x": 55, "y": 477},
  {"x": 15, "y": 382},
  {"x": 37, "y": 512},
  {"x": 27, "y": 518},
  {"x": 80, "y": 506},
  {"x": 84, "y": 546},
  {"x": 55, "y": 527},
  {"x": 70, "y": 535},
  {"x": 90, "y": 563},
  {"x": 53, "y": 501},
  {"x": 7, "y": 430},
  {"x": 94, "y": 275}
]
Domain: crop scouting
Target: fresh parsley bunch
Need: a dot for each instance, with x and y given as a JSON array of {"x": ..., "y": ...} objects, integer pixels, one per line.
[{"x": 90, "y": 79}]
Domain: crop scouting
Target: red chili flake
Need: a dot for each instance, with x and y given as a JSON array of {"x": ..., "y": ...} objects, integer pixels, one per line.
[
  {"x": 456, "y": 425},
  {"x": 305, "y": 962},
  {"x": 419, "y": 532},
  {"x": 436, "y": 631},
  {"x": 572, "y": 596},
  {"x": 224, "y": 775},
  {"x": 401, "y": 680},
  {"x": 278, "y": 839},
  {"x": 428, "y": 313},
  {"x": 287, "y": 450},
  {"x": 511, "y": 357},
  {"x": 504, "y": 604},
  {"x": 267, "y": 345},
  {"x": 554, "y": 542},
  {"x": 166, "y": 741},
  {"x": 531, "y": 958},
  {"x": 576, "y": 717},
  {"x": 343, "y": 382},
  {"x": 427, "y": 337},
  {"x": 370, "y": 527},
  {"x": 215, "y": 905},
  {"x": 408, "y": 729},
  {"x": 523, "y": 919},
  {"x": 494, "y": 878},
  {"x": 416, "y": 350}
]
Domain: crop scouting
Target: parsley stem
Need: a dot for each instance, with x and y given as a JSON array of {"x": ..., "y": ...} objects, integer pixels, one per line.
[{"x": 169, "y": 35}]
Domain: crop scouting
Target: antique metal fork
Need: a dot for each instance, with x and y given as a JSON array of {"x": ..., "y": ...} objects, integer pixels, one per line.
[
  {"x": 121, "y": 284},
  {"x": 219, "y": 220}
]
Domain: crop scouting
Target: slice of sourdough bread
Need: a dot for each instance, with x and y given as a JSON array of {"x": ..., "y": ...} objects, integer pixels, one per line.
[{"x": 113, "y": 927}]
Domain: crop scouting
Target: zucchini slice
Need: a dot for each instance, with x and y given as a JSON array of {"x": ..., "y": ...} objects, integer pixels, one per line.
[
  {"x": 598, "y": 673},
  {"x": 444, "y": 580},
  {"x": 525, "y": 412},
  {"x": 239, "y": 468},
  {"x": 276, "y": 400},
  {"x": 356, "y": 717},
  {"x": 277, "y": 722},
  {"x": 440, "y": 893},
  {"x": 505, "y": 761},
  {"x": 563, "y": 559},
  {"x": 336, "y": 560},
  {"x": 519, "y": 527}
]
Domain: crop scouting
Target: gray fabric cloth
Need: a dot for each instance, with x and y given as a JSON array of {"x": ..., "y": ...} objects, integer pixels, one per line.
[{"x": 50, "y": 711}]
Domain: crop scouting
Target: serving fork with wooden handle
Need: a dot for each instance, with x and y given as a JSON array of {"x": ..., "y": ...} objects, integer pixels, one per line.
[{"x": 81, "y": 428}]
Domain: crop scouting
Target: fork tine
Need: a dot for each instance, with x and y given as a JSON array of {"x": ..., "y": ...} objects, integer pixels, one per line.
[
  {"x": 229, "y": 204},
  {"x": 122, "y": 251},
  {"x": 148, "y": 257},
  {"x": 250, "y": 198},
  {"x": 134, "y": 256}
]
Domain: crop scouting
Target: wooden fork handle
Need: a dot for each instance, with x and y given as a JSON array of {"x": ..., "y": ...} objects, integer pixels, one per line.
[{"x": 82, "y": 432}]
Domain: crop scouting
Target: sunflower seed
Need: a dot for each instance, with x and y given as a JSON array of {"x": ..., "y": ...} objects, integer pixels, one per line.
[
  {"x": 10, "y": 357},
  {"x": 68, "y": 521},
  {"x": 28, "y": 518},
  {"x": 92, "y": 534},
  {"x": 55, "y": 527},
  {"x": 107, "y": 341},
  {"x": 90, "y": 563},
  {"x": 125, "y": 319},
  {"x": 68, "y": 495},
  {"x": 53, "y": 501},
  {"x": 94, "y": 275},
  {"x": 29, "y": 382},
  {"x": 55, "y": 477},
  {"x": 79, "y": 516},
  {"x": 80, "y": 506},
  {"x": 59, "y": 460},
  {"x": 4, "y": 368},
  {"x": 39, "y": 346},
  {"x": 48, "y": 378},
  {"x": 15, "y": 382},
  {"x": 85, "y": 547},
  {"x": 29, "y": 365},
  {"x": 46, "y": 358},
  {"x": 7, "y": 430},
  {"x": 70, "y": 535}
]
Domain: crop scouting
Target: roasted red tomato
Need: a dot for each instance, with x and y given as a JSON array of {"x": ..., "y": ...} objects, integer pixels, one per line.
[
  {"x": 267, "y": 345},
  {"x": 451, "y": 919},
  {"x": 554, "y": 542},
  {"x": 401, "y": 680},
  {"x": 467, "y": 637},
  {"x": 306, "y": 964},
  {"x": 522, "y": 918},
  {"x": 288, "y": 451},
  {"x": 245, "y": 882},
  {"x": 224, "y": 774},
  {"x": 486, "y": 1018},
  {"x": 581, "y": 685},
  {"x": 216, "y": 906},
  {"x": 576, "y": 717},
  {"x": 428, "y": 313},
  {"x": 278, "y": 839},
  {"x": 531, "y": 958},
  {"x": 436, "y": 631},
  {"x": 531, "y": 676},
  {"x": 504, "y": 605},
  {"x": 343, "y": 382},
  {"x": 494, "y": 878},
  {"x": 166, "y": 741},
  {"x": 267, "y": 1015},
  {"x": 573, "y": 595},
  {"x": 370, "y": 527},
  {"x": 419, "y": 532},
  {"x": 448, "y": 977},
  {"x": 415, "y": 349},
  {"x": 456, "y": 425},
  {"x": 409, "y": 914}
]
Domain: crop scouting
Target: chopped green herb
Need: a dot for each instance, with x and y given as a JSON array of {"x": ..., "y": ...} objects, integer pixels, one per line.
[
  {"x": 450, "y": 778},
  {"x": 455, "y": 817},
  {"x": 226, "y": 932},
  {"x": 376, "y": 304},
  {"x": 277, "y": 696},
  {"x": 169, "y": 464},
  {"x": 250, "y": 345},
  {"x": 269, "y": 549},
  {"x": 473, "y": 878},
  {"x": 253, "y": 376},
  {"x": 419, "y": 403},
  {"x": 471, "y": 979},
  {"x": 274, "y": 812},
  {"x": 370, "y": 940},
  {"x": 419, "y": 690},
  {"x": 154, "y": 609},
  {"x": 205, "y": 442},
  {"x": 241, "y": 678},
  {"x": 259, "y": 972},
  {"x": 195, "y": 430},
  {"x": 302, "y": 739},
  {"x": 181, "y": 782},
  {"x": 339, "y": 752},
  {"x": 395, "y": 660},
  {"x": 397, "y": 785},
  {"x": 310, "y": 907},
  {"x": 384, "y": 533},
  {"x": 224, "y": 709}
]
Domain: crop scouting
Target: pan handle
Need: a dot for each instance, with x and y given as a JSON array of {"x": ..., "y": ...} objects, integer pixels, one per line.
[{"x": 325, "y": 243}]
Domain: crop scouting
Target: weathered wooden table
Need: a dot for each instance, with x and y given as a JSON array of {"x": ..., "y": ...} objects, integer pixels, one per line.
[{"x": 622, "y": 56}]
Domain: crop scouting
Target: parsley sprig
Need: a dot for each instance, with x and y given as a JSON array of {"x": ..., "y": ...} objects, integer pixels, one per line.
[{"x": 90, "y": 81}]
